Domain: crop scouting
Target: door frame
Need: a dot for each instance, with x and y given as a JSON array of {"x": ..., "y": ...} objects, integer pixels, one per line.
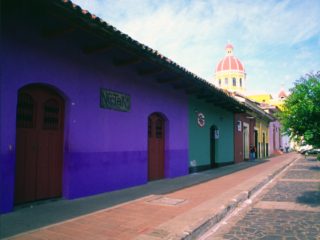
[
  {"x": 246, "y": 139},
  {"x": 64, "y": 98},
  {"x": 213, "y": 152},
  {"x": 166, "y": 144},
  {"x": 256, "y": 142},
  {"x": 264, "y": 144}
]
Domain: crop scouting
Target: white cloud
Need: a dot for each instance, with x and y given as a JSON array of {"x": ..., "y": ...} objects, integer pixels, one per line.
[{"x": 272, "y": 38}]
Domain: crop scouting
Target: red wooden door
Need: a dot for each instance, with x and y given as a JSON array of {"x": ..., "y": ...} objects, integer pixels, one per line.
[
  {"x": 39, "y": 144},
  {"x": 156, "y": 149}
]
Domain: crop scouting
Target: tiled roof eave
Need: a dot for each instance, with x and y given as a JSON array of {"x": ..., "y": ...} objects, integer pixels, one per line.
[
  {"x": 95, "y": 22},
  {"x": 260, "y": 112}
]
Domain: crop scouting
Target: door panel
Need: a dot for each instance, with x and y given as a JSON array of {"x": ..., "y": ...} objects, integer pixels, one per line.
[{"x": 26, "y": 163}]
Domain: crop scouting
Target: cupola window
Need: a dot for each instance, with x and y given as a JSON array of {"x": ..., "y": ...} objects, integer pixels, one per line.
[
  {"x": 219, "y": 82},
  {"x": 240, "y": 82},
  {"x": 234, "y": 82}
]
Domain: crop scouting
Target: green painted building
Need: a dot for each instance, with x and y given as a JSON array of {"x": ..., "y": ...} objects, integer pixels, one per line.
[{"x": 211, "y": 135}]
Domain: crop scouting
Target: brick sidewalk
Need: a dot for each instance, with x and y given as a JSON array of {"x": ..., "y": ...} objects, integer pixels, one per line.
[{"x": 169, "y": 216}]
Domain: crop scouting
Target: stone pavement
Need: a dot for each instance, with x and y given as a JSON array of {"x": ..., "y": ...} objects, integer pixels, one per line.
[
  {"x": 287, "y": 209},
  {"x": 181, "y": 214}
]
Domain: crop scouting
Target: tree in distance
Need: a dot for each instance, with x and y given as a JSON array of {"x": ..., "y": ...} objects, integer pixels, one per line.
[{"x": 300, "y": 117}]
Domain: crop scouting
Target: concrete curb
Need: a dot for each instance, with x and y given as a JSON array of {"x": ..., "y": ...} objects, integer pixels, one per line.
[{"x": 231, "y": 206}]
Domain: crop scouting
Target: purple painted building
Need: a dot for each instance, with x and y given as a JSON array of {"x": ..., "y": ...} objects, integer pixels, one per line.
[
  {"x": 85, "y": 109},
  {"x": 275, "y": 137},
  {"x": 108, "y": 93}
]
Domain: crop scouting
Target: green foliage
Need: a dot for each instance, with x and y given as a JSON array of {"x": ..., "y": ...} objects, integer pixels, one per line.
[{"x": 301, "y": 114}]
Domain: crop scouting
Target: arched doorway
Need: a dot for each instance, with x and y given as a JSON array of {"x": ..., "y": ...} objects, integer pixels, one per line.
[
  {"x": 156, "y": 146},
  {"x": 39, "y": 144},
  {"x": 214, "y": 134}
]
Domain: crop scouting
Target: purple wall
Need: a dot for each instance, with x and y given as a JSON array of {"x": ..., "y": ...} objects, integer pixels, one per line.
[
  {"x": 104, "y": 149},
  {"x": 274, "y": 136}
]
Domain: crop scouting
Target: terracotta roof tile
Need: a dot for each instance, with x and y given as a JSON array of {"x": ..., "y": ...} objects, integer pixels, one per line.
[{"x": 147, "y": 49}]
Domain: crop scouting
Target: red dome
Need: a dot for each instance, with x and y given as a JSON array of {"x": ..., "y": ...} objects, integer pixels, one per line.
[
  {"x": 230, "y": 63},
  {"x": 282, "y": 94}
]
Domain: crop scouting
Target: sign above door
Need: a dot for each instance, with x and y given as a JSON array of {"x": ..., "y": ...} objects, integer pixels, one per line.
[{"x": 114, "y": 100}]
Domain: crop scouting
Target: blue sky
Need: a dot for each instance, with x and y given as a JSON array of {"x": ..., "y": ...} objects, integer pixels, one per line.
[{"x": 277, "y": 41}]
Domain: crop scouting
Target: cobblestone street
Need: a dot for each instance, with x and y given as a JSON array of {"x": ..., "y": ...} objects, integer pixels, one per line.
[{"x": 289, "y": 208}]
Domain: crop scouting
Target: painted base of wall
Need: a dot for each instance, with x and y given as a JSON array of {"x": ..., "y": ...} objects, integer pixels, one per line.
[
  {"x": 89, "y": 173},
  {"x": 207, "y": 167},
  {"x": 7, "y": 168},
  {"x": 224, "y": 164},
  {"x": 199, "y": 168}
]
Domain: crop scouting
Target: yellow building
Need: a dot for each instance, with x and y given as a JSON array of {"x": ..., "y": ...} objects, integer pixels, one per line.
[
  {"x": 261, "y": 98},
  {"x": 269, "y": 100},
  {"x": 262, "y": 137},
  {"x": 260, "y": 133},
  {"x": 230, "y": 73}
]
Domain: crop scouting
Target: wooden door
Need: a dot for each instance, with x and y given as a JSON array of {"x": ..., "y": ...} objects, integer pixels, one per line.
[
  {"x": 156, "y": 147},
  {"x": 39, "y": 144},
  {"x": 256, "y": 143},
  {"x": 212, "y": 147}
]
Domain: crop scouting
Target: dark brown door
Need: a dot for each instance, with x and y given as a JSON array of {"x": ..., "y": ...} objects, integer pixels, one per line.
[
  {"x": 212, "y": 147},
  {"x": 274, "y": 139},
  {"x": 156, "y": 145},
  {"x": 263, "y": 145},
  {"x": 39, "y": 144},
  {"x": 256, "y": 144}
]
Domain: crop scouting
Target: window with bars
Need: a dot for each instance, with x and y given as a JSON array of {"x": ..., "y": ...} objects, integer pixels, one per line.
[
  {"x": 159, "y": 128},
  {"x": 51, "y": 114},
  {"x": 25, "y": 111}
]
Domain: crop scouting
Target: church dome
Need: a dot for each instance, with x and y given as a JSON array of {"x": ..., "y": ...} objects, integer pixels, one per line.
[
  {"x": 229, "y": 62},
  {"x": 282, "y": 94},
  {"x": 230, "y": 73}
]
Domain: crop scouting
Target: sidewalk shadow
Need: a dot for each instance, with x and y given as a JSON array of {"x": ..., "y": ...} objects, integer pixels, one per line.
[
  {"x": 311, "y": 159},
  {"x": 315, "y": 168},
  {"x": 311, "y": 198}
]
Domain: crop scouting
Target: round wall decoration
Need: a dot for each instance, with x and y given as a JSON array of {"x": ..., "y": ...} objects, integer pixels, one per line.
[{"x": 201, "y": 119}]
